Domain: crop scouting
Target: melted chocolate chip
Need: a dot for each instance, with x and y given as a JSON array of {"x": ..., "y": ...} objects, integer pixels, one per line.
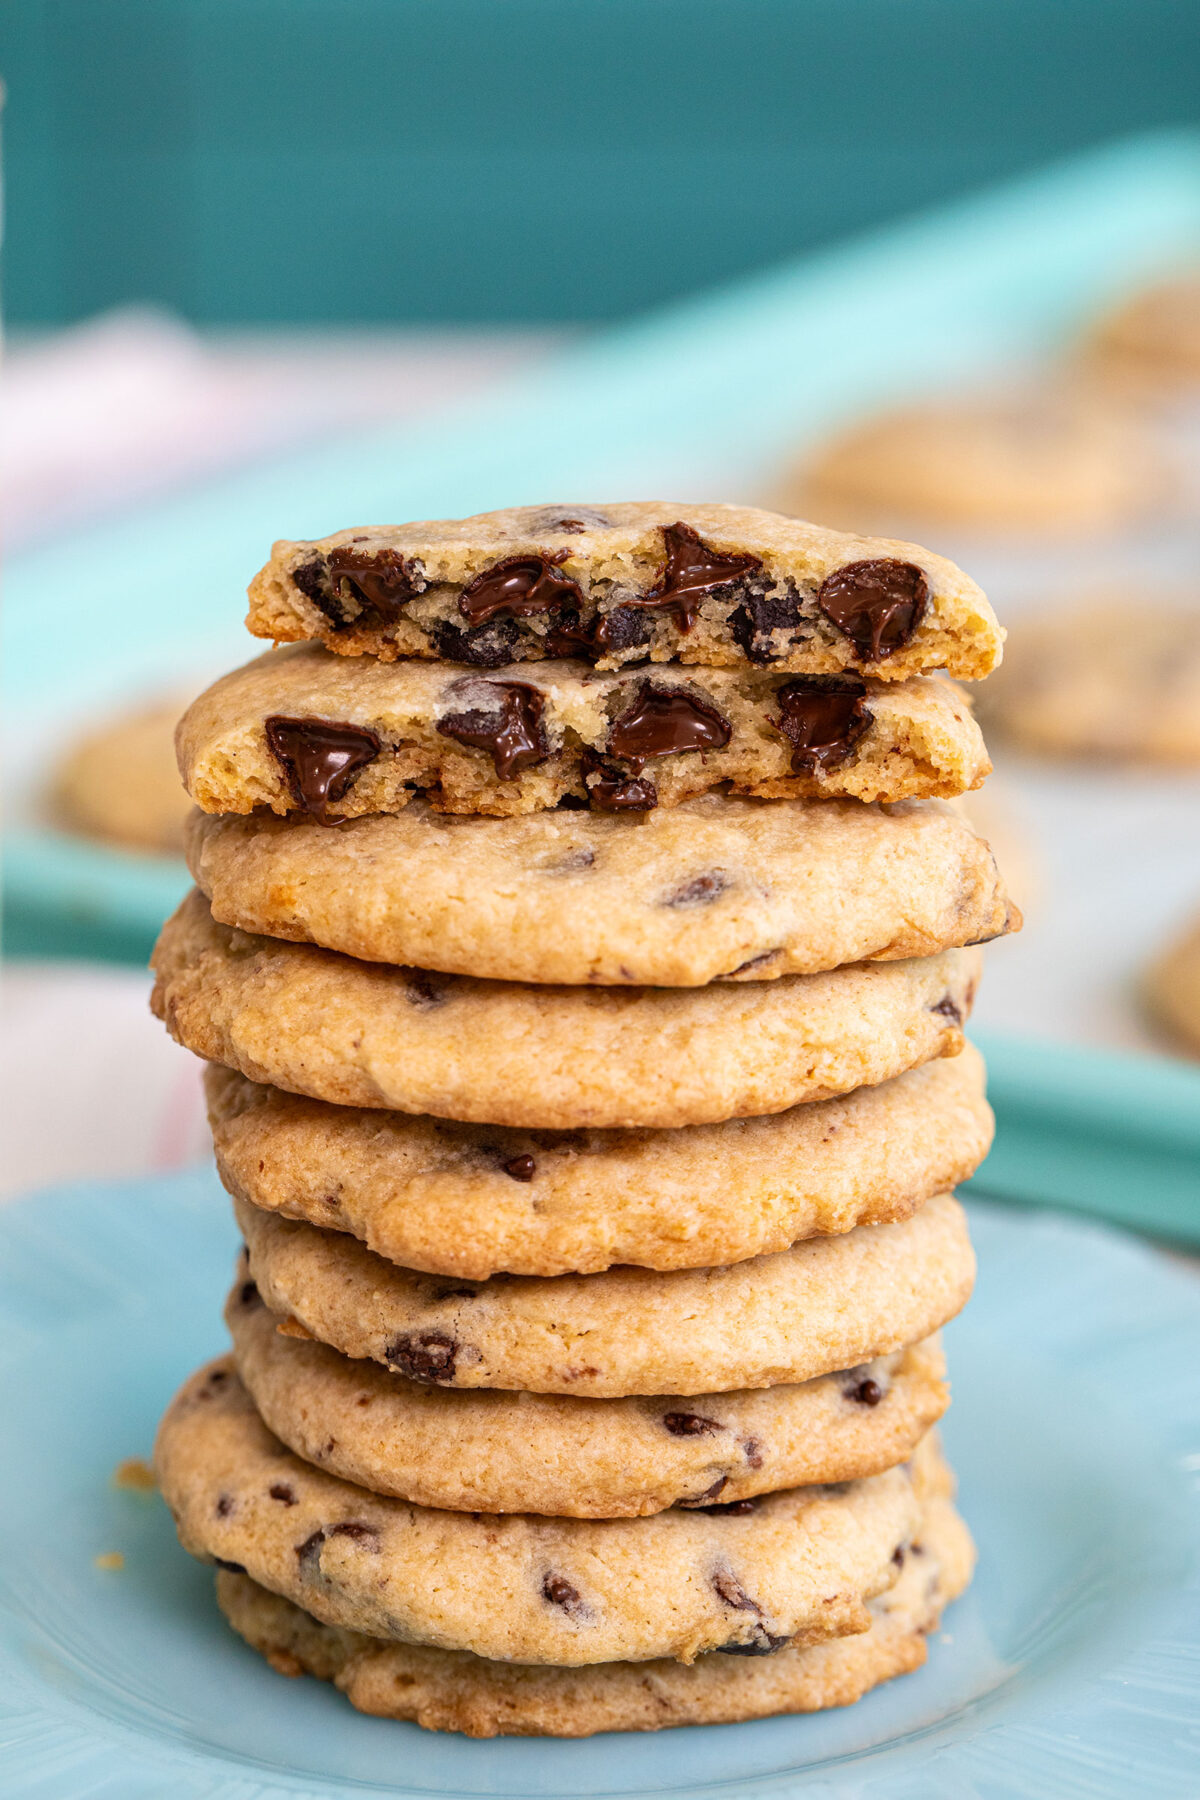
[
  {"x": 319, "y": 758},
  {"x": 560, "y": 1592},
  {"x": 224, "y": 1505},
  {"x": 521, "y": 1168},
  {"x": 512, "y": 735},
  {"x": 573, "y": 519},
  {"x": 822, "y": 718},
  {"x": 567, "y": 636},
  {"x": 618, "y": 793},
  {"x": 684, "y": 1424},
  {"x": 692, "y": 570},
  {"x": 379, "y": 580},
  {"x": 624, "y": 628},
  {"x": 763, "y": 1645},
  {"x": 423, "y": 1356},
  {"x": 877, "y": 604},
  {"x": 487, "y": 647},
  {"x": 572, "y": 803},
  {"x": 729, "y": 1589},
  {"x": 866, "y": 1392},
  {"x": 233, "y": 1567},
  {"x": 283, "y": 1492},
  {"x": 663, "y": 721},
  {"x": 752, "y": 624},
  {"x": 516, "y": 587},
  {"x": 702, "y": 890},
  {"x": 949, "y": 1008}
]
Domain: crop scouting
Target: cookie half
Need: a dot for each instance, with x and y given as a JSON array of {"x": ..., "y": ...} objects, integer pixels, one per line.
[
  {"x": 474, "y": 1201},
  {"x": 446, "y": 1690},
  {"x": 300, "y": 730},
  {"x": 710, "y": 584},
  {"x": 826, "y": 1304},
  {"x": 362, "y": 1034},
  {"x": 716, "y": 889},
  {"x": 481, "y": 1450},
  {"x": 800, "y": 1567}
]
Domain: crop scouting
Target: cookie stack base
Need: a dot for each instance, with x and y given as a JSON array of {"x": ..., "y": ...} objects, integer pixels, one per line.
[{"x": 452, "y": 1690}]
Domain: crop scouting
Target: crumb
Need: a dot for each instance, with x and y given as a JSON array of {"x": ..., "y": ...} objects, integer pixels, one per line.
[
  {"x": 111, "y": 1559},
  {"x": 136, "y": 1474}
]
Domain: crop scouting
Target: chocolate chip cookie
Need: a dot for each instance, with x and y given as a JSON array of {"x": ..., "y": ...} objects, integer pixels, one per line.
[
  {"x": 826, "y": 1304},
  {"x": 658, "y": 581},
  {"x": 480, "y": 1450},
  {"x": 1115, "y": 677},
  {"x": 477, "y": 1200},
  {"x": 717, "y": 889},
  {"x": 446, "y": 1690},
  {"x": 799, "y": 1568},
  {"x": 299, "y": 730},
  {"x": 505, "y": 1053}
]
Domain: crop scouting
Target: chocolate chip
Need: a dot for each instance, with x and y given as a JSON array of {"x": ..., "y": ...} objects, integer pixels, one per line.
[
  {"x": 866, "y": 1392},
  {"x": 311, "y": 578},
  {"x": 563, "y": 518},
  {"x": 752, "y": 624},
  {"x": 684, "y": 1424},
  {"x": 763, "y": 1645},
  {"x": 233, "y": 1568},
  {"x": 521, "y": 1168},
  {"x": 357, "y": 1533},
  {"x": 692, "y": 570},
  {"x": 572, "y": 803},
  {"x": 822, "y": 717},
  {"x": 282, "y": 1491},
  {"x": 898, "y": 1556},
  {"x": 702, "y": 890},
  {"x": 423, "y": 1356},
  {"x": 379, "y": 580},
  {"x": 423, "y": 989},
  {"x": 731, "y": 1508},
  {"x": 755, "y": 962},
  {"x": 702, "y": 1502},
  {"x": 487, "y": 647},
  {"x": 512, "y": 734},
  {"x": 319, "y": 757},
  {"x": 663, "y": 721},
  {"x": 876, "y": 604},
  {"x": 309, "y": 1552},
  {"x": 248, "y": 1294},
  {"x": 224, "y": 1505},
  {"x": 567, "y": 636},
  {"x": 624, "y": 628},
  {"x": 623, "y": 794},
  {"x": 949, "y": 1008},
  {"x": 560, "y": 1592},
  {"x": 516, "y": 587},
  {"x": 753, "y": 1452},
  {"x": 729, "y": 1589}
]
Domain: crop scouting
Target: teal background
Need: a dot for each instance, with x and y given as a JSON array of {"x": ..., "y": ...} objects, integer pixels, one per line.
[{"x": 457, "y": 160}]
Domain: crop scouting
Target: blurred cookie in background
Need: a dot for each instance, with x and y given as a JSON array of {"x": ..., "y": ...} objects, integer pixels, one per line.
[
  {"x": 1114, "y": 677},
  {"x": 1153, "y": 339},
  {"x": 120, "y": 782},
  {"x": 1173, "y": 989},
  {"x": 1031, "y": 462}
]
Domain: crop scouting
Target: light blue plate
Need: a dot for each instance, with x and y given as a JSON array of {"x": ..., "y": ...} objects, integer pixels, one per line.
[{"x": 1071, "y": 1670}]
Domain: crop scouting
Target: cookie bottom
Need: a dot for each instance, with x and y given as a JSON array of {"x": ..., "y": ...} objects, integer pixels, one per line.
[{"x": 452, "y": 1690}]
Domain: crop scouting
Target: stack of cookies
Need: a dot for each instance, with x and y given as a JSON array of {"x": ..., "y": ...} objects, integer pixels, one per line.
[{"x": 581, "y": 947}]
